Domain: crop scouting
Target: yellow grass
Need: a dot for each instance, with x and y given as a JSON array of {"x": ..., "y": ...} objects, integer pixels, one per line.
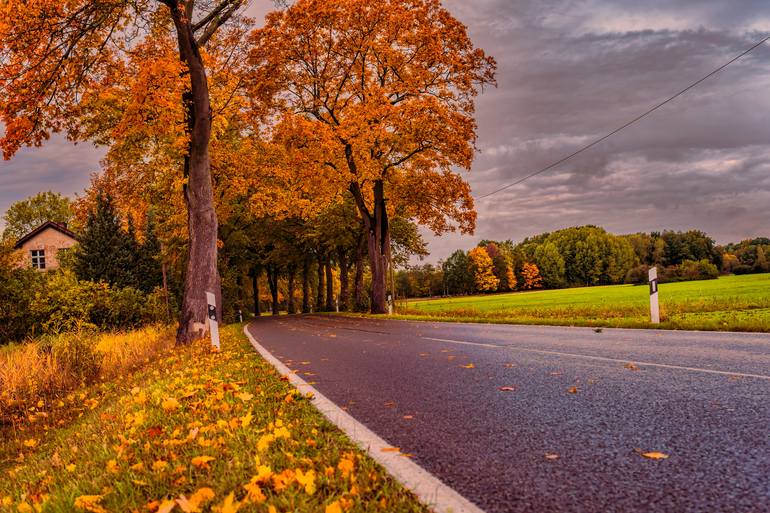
[{"x": 46, "y": 369}]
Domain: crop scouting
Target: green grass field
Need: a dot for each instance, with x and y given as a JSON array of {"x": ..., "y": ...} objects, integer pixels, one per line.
[{"x": 730, "y": 303}]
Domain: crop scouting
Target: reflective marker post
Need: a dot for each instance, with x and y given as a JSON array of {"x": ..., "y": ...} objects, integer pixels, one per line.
[
  {"x": 211, "y": 300},
  {"x": 654, "y": 307},
  {"x": 390, "y": 304}
]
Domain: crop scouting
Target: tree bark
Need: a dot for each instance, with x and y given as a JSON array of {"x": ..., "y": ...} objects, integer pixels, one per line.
[
  {"x": 201, "y": 273},
  {"x": 358, "y": 282},
  {"x": 329, "y": 286},
  {"x": 306, "y": 285},
  {"x": 290, "y": 306},
  {"x": 272, "y": 281},
  {"x": 378, "y": 242},
  {"x": 319, "y": 296},
  {"x": 165, "y": 291},
  {"x": 342, "y": 256},
  {"x": 255, "y": 272}
]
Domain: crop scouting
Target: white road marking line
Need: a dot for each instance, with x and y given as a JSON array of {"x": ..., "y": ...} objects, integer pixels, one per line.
[
  {"x": 601, "y": 358},
  {"x": 427, "y": 487}
]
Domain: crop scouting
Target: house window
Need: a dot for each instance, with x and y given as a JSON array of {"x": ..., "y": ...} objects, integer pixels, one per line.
[{"x": 38, "y": 258}]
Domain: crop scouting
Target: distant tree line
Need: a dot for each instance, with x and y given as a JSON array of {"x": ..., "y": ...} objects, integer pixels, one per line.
[{"x": 582, "y": 256}]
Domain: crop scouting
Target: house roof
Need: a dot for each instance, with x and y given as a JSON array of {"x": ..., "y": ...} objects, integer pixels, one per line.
[{"x": 48, "y": 224}]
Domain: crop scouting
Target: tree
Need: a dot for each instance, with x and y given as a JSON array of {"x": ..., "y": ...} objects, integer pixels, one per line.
[
  {"x": 483, "y": 270},
  {"x": 380, "y": 96},
  {"x": 551, "y": 265},
  {"x": 24, "y": 216},
  {"x": 531, "y": 275},
  {"x": 105, "y": 251},
  {"x": 458, "y": 274},
  {"x": 760, "y": 264},
  {"x": 57, "y": 56},
  {"x": 149, "y": 273}
]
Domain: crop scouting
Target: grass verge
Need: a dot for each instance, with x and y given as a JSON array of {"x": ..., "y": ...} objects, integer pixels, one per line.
[{"x": 193, "y": 431}]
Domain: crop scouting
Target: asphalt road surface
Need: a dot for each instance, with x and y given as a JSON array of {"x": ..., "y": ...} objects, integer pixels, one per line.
[{"x": 701, "y": 398}]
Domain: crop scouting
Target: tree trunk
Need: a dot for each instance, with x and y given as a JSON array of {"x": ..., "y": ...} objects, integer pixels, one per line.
[
  {"x": 272, "y": 281},
  {"x": 201, "y": 274},
  {"x": 342, "y": 256},
  {"x": 306, "y": 285},
  {"x": 165, "y": 291},
  {"x": 378, "y": 242},
  {"x": 290, "y": 307},
  {"x": 329, "y": 286},
  {"x": 319, "y": 296},
  {"x": 255, "y": 286},
  {"x": 358, "y": 283}
]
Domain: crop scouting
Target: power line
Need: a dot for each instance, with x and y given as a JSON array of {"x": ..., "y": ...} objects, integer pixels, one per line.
[{"x": 628, "y": 124}]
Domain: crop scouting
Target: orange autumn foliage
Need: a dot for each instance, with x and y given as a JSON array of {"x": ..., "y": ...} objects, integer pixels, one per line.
[{"x": 379, "y": 98}]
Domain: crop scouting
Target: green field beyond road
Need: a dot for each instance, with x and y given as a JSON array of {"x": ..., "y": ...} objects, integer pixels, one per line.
[{"x": 730, "y": 303}]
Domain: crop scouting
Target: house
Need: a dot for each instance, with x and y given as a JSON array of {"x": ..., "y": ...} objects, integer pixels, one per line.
[{"x": 41, "y": 246}]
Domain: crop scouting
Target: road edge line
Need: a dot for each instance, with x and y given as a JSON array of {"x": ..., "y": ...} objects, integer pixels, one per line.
[{"x": 429, "y": 489}]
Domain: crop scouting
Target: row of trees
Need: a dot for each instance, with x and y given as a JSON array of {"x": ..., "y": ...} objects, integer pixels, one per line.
[
  {"x": 244, "y": 142},
  {"x": 582, "y": 256}
]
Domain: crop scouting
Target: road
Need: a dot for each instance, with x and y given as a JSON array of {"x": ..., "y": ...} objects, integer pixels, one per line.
[{"x": 584, "y": 405}]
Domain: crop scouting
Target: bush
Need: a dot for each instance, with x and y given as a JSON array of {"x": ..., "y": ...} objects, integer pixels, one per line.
[
  {"x": 34, "y": 304},
  {"x": 700, "y": 270},
  {"x": 637, "y": 275},
  {"x": 17, "y": 289},
  {"x": 688, "y": 270},
  {"x": 743, "y": 269},
  {"x": 64, "y": 304}
]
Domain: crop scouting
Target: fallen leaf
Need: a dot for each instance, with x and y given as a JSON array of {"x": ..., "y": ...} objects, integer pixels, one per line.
[
  {"x": 391, "y": 449},
  {"x": 551, "y": 456},
  {"x": 245, "y": 396},
  {"x": 166, "y": 506},
  {"x": 170, "y": 404},
  {"x": 469, "y": 366},
  {"x": 655, "y": 455},
  {"x": 506, "y": 389},
  {"x": 408, "y": 417},
  {"x": 572, "y": 390},
  {"x": 631, "y": 366},
  {"x": 334, "y": 507},
  {"x": 202, "y": 461},
  {"x": 90, "y": 503}
]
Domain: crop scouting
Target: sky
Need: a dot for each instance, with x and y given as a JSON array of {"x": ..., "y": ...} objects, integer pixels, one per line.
[{"x": 570, "y": 71}]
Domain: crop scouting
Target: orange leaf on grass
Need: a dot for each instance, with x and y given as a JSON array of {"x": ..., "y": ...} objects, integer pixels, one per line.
[{"x": 202, "y": 461}]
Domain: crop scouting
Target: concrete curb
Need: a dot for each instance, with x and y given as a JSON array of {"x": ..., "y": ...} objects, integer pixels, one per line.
[{"x": 427, "y": 487}]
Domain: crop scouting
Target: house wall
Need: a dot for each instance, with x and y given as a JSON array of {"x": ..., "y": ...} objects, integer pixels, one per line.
[{"x": 51, "y": 241}]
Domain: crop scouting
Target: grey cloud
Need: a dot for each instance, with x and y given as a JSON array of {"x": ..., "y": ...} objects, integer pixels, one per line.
[{"x": 570, "y": 71}]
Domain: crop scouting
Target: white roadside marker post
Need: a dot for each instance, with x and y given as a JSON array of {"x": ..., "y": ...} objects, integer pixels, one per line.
[
  {"x": 211, "y": 300},
  {"x": 654, "y": 306},
  {"x": 390, "y": 304}
]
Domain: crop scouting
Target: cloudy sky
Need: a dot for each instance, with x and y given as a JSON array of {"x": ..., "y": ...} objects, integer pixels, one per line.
[{"x": 570, "y": 71}]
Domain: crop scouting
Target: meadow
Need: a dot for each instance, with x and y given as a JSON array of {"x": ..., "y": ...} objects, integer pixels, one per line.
[{"x": 730, "y": 303}]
